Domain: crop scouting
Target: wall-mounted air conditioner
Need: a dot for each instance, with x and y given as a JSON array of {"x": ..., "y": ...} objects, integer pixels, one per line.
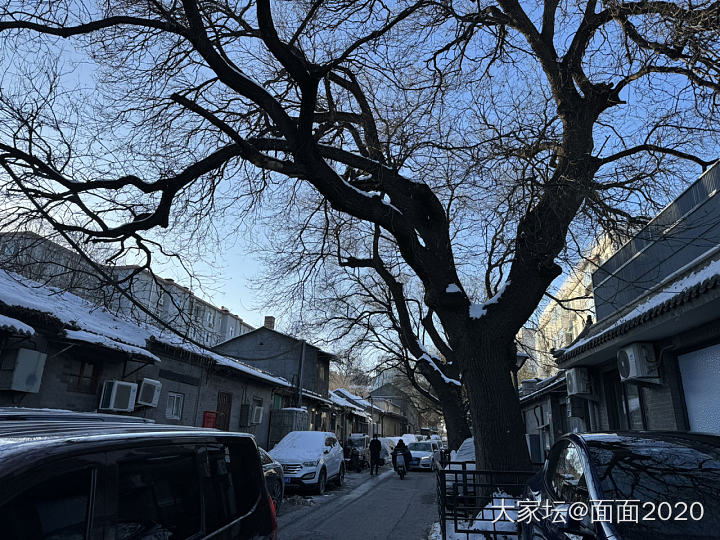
[
  {"x": 22, "y": 370},
  {"x": 637, "y": 362},
  {"x": 578, "y": 381},
  {"x": 257, "y": 415},
  {"x": 149, "y": 392},
  {"x": 118, "y": 396}
]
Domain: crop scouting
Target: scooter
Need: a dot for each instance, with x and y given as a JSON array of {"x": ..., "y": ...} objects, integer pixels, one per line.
[{"x": 400, "y": 466}]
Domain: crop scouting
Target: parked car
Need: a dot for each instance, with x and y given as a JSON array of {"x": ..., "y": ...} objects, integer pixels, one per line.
[
  {"x": 358, "y": 446},
  {"x": 79, "y": 477},
  {"x": 310, "y": 459},
  {"x": 425, "y": 455},
  {"x": 274, "y": 480},
  {"x": 459, "y": 484},
  {"x": 388, "y": 445},
  {"x": 409, "y": 438},
  {"x": 674, "y": 478}
]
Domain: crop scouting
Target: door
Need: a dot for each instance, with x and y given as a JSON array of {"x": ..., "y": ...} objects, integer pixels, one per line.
[
  {"x": 334, "y": 457},
  {"x": 700, "y": 376},
  {"x": 224, "y": 407}
]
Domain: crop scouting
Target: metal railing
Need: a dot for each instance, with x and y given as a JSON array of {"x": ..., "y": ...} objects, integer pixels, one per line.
[{"x": 478, "y": 503}]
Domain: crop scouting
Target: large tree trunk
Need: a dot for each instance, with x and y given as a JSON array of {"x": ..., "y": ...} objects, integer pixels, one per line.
[
  {"x": 495, "y": 408},
  {"x": 455, "y": 418}
]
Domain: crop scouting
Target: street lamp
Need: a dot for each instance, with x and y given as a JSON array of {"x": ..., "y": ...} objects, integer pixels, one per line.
[{"x": 520, "y": 359}]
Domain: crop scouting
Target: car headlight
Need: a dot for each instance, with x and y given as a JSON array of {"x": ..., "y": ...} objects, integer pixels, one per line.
[
  {"x": 425, "y": 458},
  {"x": 310, "y": 463}
]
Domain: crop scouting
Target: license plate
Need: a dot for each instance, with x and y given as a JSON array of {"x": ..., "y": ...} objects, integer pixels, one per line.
[{"x": 287, "y": 480}]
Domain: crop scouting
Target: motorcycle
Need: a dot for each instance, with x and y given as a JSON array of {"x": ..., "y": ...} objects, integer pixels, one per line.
[{"x": 400, "y": 466}]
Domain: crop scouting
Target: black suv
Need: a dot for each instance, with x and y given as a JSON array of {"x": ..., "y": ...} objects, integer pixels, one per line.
[{"x": 84, "y": 476}]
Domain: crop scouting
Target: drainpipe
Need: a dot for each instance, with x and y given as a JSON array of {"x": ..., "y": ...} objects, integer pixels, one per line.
[{"x": 300, "y": 375}]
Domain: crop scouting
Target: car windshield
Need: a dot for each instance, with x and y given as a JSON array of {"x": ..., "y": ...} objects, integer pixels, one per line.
[
  {"x": 420, "y": 447},
  {"x": 357, "y": 442},
  {"x": 670, "y": 474}
]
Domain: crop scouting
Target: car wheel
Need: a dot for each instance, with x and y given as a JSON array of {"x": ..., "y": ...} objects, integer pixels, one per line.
[
  {"x": 276, "y": 494},
  {"x": 320, "y": 487},
  {"x": 340, "y": 480}
]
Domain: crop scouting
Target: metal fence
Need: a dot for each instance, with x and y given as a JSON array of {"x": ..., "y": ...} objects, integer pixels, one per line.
[{"x": 478, "y": 504}]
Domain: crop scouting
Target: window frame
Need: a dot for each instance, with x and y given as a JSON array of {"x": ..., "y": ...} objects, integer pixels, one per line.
[
  {"x": 136, "y": 451},
  {"x": 174, "y": 395},
  {"x": 18, "y": 484}
]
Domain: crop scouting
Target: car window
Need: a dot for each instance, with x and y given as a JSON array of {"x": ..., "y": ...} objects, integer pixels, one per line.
[
  {"x": 333, "y": 441},
  {"x": 568, "y": 477},
  {"x": 265, "y": 458},
  {"x": 56, "y": 509},
  {"x": 158, "y": 496},
  {"x": 328, "y": 441}
]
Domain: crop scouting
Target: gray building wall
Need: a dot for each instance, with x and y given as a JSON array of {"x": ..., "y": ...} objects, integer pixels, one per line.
[
  {"x": 685, "y": 230},
  {"x": 198, "y": 380},
  {"x": 280, "y": 355}
]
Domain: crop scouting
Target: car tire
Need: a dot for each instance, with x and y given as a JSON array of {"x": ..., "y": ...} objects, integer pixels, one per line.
[
  {"x": 321, "y": 483},
  {"x": 340, "y": 480}
]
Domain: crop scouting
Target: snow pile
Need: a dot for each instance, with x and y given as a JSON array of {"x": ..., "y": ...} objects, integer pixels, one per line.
[
  {"x": 8, "y": 323},
  {"x": 299, "y": 446}
]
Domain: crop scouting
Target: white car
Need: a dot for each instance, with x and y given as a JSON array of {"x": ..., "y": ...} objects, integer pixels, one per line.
[
  {"x": 458, "y": 482},
  {"x": 310, "y": 459},
  {"x": 425, "y": 455},
  {"x": 388, "y": 445}
]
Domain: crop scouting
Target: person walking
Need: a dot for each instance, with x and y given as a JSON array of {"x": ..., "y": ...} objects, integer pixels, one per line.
[{"x": 375, "y": 448}]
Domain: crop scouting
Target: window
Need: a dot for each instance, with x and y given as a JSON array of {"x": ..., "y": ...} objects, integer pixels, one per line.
[
  {"x": 174, "y": 406},
  {"x": 158, "y": 496},
  {"x": 56, "y": 508},
  {"x": 568, "y": 476},
  {"x": 322, "y": 372},
  {"x": 624, "y": 403},
  {"x": 277, "y": 401},
  {"x": 84, "y": 376}
]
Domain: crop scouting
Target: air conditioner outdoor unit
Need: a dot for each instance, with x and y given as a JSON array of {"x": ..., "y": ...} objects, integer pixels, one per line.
[
  {"x": 118, "y": 396},
  {"x": 149, "y": 393},
  {"x": 24, "y": 372},
  {"x": 578, "y": 381},
  {"x": 257, "y": 415},
  {"x": 637, "y": 362}
]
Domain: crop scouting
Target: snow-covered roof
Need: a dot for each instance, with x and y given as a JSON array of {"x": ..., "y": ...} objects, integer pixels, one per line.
[
  {"x": 87, "y": 322},
  {"x": 668, "y": 295},
  {"x": 337, "y": 399},
  {"x": 89, "y": 337},
  {"x": 357, "y": 399},
  {"x": 19, "y": 327}
]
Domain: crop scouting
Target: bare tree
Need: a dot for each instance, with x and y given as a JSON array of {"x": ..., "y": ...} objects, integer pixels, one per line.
[{"x": 543, "y": 117}]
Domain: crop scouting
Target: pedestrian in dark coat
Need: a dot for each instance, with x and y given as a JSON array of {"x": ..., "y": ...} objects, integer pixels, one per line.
[{"x": 375, "y": 449}]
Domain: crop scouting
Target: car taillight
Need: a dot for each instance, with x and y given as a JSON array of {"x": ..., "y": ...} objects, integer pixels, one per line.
[{"x": 274, "y": 534}]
